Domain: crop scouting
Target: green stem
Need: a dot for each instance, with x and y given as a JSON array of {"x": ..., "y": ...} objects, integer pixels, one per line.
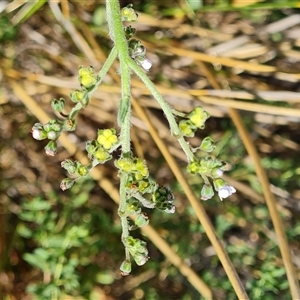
[
  {"x": 168, "y": 111},
  {"x": 186, "y": 148},
  {"x": 107, "y": 65},
  {"x": 158, "y": 97},
  {"x": 116, "y": 31}
]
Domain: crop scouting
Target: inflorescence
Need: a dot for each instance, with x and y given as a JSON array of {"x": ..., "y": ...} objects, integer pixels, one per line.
[{"x": 140, "y": 190}]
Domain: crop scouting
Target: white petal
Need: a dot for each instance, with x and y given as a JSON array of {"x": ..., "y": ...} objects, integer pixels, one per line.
[
  {"x": 226, "y": 191},
  {"x": 146, "y": 64},
  {"x": 36, "y": 134}
]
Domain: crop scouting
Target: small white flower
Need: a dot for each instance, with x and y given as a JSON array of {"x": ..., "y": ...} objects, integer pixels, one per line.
[
  {"x": 226, "y": 191},
  {"x": 36, "y": 134},
  {"x": 146, "y": 64}
]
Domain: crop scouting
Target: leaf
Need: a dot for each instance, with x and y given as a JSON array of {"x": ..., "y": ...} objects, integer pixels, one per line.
[
  {"x": 80, "y": 200},
  {"x": 105, "y": 277},
  {"x": 37, "y": 204},
  {"x": 37, "y": 259},
  {"x": 24, "y": 231},
  {"x": 123, "y": 110},
  {"x": 27, "y": 11},
  {"x": 195, "y": 4}
]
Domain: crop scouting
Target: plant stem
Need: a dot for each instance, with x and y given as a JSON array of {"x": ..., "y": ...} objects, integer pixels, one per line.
[
  {"x": 108, "y": 63},
  {"x": 168, "y": 111},
  {"x": 158, "y": 97},
  {"x": 116, "y": 32}
]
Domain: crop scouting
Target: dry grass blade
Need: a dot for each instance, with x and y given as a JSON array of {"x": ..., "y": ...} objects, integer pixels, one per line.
[
  {"x": 79, "y": 41},
  {"x": 229, "y": 62},
  {"x": 271, "y": 203},
  {"x": 255, "y": 107},
  {"x": 110, "y": 189}
]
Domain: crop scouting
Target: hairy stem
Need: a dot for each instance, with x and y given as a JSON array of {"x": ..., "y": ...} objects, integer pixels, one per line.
[
  {"x": 108, "y": 63},
  {"x": 116, "y": 32},
  {"x": 168, "y": 111}
]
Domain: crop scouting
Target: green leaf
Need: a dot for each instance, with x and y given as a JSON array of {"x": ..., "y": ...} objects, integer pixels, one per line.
[
  {"x": 37, "y": 204},
  {"x": 55, "y": 241},
  {"x": 195, "y": 4},
  {"x": 24, "y": 231},
  {"x": 80, "y": 200},
  {"x": 105, "y": 277},
  {"x": 27, "y": 10},
  {"x": 38, "y": 259}
]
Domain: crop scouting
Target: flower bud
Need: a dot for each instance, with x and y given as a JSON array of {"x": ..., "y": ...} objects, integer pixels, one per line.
[
  {"x": 82, "y": 170},
  {"x": 187, "y": 128},
  {"x": 102, "y": 155},
  {"x": 207, "y": 145},
  {"x": 216, "y": 173},
  {"x": 198, "y": 116},
  {"x": 69, "y": 165},
  {"x": 140, "y": 167},
  {"x": 125, "y": 164},
  {"x": 129, "y": 32},
  {"x": 53, "y": 125},
  {"x": 125, "y": 267},
  {"x": 66, "y": 183},
  {"x": 52, "y": 135},
  {"x": 58, "y": 105},
  {"x": 219, "y": 184},
  {"x": 38, "y": 132},
  {"x": 128, "y": 14},
  {"x": 140, "y": 258},
  {"x": 208, "y": 162},
  {"x": 77, "y": 95},
  {"x": 51, "y": 148},
  {"x": 70, "y": 125},
  {"x": 133, "y": 206},
  {"x": 193, "y": 167},
  {"x": 141, "y": 220},
  {"x": 207, "y": 192},
  {"x": 90, "y": 147}
]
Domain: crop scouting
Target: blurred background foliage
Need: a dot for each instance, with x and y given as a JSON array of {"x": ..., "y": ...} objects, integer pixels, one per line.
[{"x": 67, "y": 244}]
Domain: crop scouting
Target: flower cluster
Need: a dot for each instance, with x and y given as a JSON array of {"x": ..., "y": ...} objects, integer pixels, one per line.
[
  {"x": 138, "y": 173},
  {"x": 139, "y": 184},
  {"x": 136, "y": 50},
  {"x": 76, "y": 170},
  {"x": 194, "y": 120},
  {"x": 163, "y": 199},
  {"x": 53, "y": 129},
  {"x": 137, "y": 189},
  {"x": 138, "y": 250},
  {"x": 50, "y": 131},
  {"x": 99, "y": 151},
  {"x": 209, "y": 167}
]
